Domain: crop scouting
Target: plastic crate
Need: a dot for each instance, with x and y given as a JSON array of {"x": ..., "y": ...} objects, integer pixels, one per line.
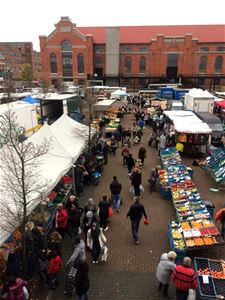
[
  {"x": 215, "y": 265},
  {"x": 206, "y": 290},
  {"x": 219, "y": 286}
]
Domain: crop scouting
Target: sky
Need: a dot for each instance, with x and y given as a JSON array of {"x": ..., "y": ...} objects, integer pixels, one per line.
[{"x": 25, "y": 20}]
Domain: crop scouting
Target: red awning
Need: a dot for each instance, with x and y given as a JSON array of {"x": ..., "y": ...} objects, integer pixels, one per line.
[{"x": 221, "y": 103}]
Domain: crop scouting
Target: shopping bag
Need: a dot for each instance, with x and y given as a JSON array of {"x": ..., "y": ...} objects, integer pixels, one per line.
[
  {"x": 191, "y": 294},
  {"x": 26, "y": 294},
  {"x": 146, "y": 222},
  {"x": 105, "y": 254},
  {"x": 141, "y": 188},
  {"x": 110, "y": 211}
]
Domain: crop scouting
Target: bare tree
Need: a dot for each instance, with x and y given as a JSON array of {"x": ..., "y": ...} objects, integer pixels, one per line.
[
  {"x": 20, "y": 177},
  {"x": 90, "y": 99}
]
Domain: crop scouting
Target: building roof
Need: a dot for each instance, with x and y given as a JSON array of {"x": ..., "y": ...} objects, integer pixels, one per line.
[{"x": 143, "y": 34}]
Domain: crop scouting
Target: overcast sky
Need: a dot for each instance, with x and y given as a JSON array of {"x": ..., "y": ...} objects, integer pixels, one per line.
[{"x": 25, "y": 20}]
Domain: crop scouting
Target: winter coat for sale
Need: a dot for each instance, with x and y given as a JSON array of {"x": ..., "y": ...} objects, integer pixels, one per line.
[
  {"x": 165, "y": 269},
  {"x": 184, "y": 278},
  {"x": 16, "y": 290}
]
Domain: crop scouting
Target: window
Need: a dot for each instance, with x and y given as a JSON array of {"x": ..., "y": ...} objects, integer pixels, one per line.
[
  {"x": 66, "y": 46},
  {"x": 98, "y": 49},
  {"x": 217, "y": 81},
  {"x": 128, "y": 64},
  {"x": 218, "y": 64},
  {"x": 80, "y": 63},
  {"x": 141, "y": 82},
  {"x": 53, "y": 63},
  {"x": 201, "y": 81},
  {"x": 143, "y": 49},
  {"x": 142, "y": 64},
  {"x": 172, "y": 60},
  {"x": 98, "y": 60},
  {"x": 66, "y": 50},
  {"x": 204, "y": 49},
  {"x": 202, "y": 64},
  {"x": 220, "y": 49},
  {"x": 127, "y": 49},
  {"x": 127, "y": 81}
]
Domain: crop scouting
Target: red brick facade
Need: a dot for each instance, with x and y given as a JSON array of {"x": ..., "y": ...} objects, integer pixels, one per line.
[{"x": 145, "y": 53}]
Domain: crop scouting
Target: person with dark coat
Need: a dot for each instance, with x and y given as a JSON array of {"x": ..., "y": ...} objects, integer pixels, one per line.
[
  {"x": 135, "y": 213},
  {"x": 154, "y": 176},
  {"x": 72, "y": 200},
  {"x": 82, "y": 282},
  {"x": 73, "y": 221},
  {"x": 130, "y": 163},
  {"x": 105, "y": 152},
  {"x": 136, "y": 180},
  {"x": 142, "y": 154},
  {"x": 115, "y": 188},
  {"x": 103, "y": 212},
  {"x": 87, "y": 222},
  {"x": 90, "y": 206},
  {"x": 55, "y": 243}
]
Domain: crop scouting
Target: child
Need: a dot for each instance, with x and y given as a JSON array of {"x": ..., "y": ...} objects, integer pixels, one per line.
[{"x": 54, "y": 269}]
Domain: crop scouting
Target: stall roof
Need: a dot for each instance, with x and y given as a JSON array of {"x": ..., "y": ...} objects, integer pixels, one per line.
[
  {"x": 68, "y": 139},
  {"x": 187, "y": 122},
  {"x": 199, "y": 93},
  {"x": 221, "y": 103},
  {"x": 103, "y": 105},
  {"x": 55, "y": 96}
]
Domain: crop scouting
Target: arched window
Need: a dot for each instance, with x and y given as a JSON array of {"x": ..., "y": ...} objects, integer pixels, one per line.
[
  {"x": 202, "y": 64},
  {"x": 66, "y": 46},
  {"x": 218, "y": 64},
  {"x": 53, "y": 63},
  {"x": 66, "y": 50},
  {"x": 80, "y": 63},
  {"x": 142, "y": 64},
  {"x": 98, "y": 60},
  {"x": 128, "y": 64}
]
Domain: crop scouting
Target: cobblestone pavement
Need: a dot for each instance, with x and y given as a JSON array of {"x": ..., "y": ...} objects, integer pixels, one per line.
[{"x": 130, "y": 270}]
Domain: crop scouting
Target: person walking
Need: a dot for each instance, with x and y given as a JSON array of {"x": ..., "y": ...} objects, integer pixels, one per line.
[
  {"x": 73, "y": 224},
  {"x": 78, "y": 252},
  {"x": 130, "y": 163},
  {"x": 220, "y": 216},
  {"x": 90, "y": 206},
  {"x": 115, "y": 188},
  {"x": 95, "y": 241},
  {"x": 136, "y": 179},
  {"x": 184, "y": 279},
  {"x": 16, "y": 288},
  {"x": 154, "y": 176},
  {"x": 142, "y": 154},
  {"x": 55, "y": 263},
  {"x": 104, "y": 212},
  {"x": 135, "y": 213},
  {"x": 164, "y": 271},
  {"x": 125, "y": 153},
  {"x": 82, "y": 282}
]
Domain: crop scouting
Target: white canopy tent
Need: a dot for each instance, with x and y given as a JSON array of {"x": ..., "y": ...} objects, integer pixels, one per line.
[
  {"x": 118, "y": 93},
  {"x": 103, "y": 105},
  {"x": 67, "y": 139},
  {"x": 187, "y": 122}
]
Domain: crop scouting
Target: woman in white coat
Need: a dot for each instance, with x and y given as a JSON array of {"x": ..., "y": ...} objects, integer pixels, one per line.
[
  {"x": 95, "y": 241},
  {"x": 165, "y": 269}
]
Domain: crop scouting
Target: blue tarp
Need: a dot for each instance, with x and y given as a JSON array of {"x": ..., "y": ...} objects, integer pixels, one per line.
[{"x": 30, "y": 100}]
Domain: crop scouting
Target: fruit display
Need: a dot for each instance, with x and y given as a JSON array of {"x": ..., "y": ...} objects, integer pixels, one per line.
[
  {"x": 176, "y": 234},
  {"x": 3, "y": 265},
  {"x": 17, "y": 235},
  {"x": 179, "y": 244}
]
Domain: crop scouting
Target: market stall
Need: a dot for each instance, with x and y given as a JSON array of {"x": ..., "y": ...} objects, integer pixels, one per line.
[
  {"x": 215, "y": 163},
  {"x": 195, "y": 228},
  {"x": 211, "y": 277},
  {"x": 192, "y": 132}
]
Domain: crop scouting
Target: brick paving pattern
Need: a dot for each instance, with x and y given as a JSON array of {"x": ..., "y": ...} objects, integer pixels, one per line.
[{"x": 129, "y": 272}]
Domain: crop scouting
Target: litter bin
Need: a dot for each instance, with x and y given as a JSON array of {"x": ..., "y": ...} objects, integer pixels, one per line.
[
  {"x": 191, "y": 172},
  {"x": 210, "y": 206}
]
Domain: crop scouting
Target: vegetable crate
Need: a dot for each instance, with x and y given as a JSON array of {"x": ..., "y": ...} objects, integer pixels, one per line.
[{"x": 211, "y": 277}]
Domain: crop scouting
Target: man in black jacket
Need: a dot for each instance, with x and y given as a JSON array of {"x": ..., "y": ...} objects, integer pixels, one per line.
[
  {"x": 115, "y": 188},
  {"x": 135, "y": 213}
]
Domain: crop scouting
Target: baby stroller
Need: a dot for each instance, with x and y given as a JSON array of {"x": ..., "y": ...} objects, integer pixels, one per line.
[
  {"x": 136, "y": 140},
  {"x": 95, "y": 177}
]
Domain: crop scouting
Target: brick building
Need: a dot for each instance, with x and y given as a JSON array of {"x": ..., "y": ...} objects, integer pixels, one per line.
[
  {"x": 134, "y": 56},
  {"x": 16, "y": 54}
]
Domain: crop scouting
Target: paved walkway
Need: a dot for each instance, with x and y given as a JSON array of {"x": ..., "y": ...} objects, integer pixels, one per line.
[{"x": 130, "y": 270}]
